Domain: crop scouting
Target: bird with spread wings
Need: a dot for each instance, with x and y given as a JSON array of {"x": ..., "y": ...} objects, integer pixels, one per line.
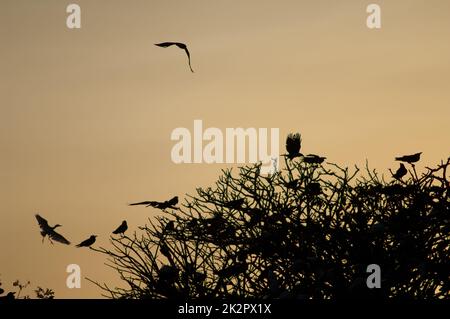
[
  {"x": 161, "y": 205},
  {"x": 47, "y": 230},
  {"x": 182, "y": 46},
  {"x": 293, "y": 145}
]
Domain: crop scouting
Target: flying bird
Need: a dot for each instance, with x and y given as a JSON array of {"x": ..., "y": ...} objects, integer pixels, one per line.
[
  {"x": 181, "y": 46},
  {"x": 88, "y": 242},
  {"x": 293, "y": 145},
  {"x": 161, "y": 205},
  {"x": 49, "y": 231},
  {"x": 313, "y": 159},
  {"x": 409, "y": 158},
  {"x": 402, "y": 171},
  {"x": 121, "y": 229}
]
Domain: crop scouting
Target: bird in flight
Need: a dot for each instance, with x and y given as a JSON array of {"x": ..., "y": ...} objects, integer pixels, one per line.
[
  {"x": 400, "y": 172},
  {"x": 409, "y": 158},
  {"x": 293, "y": 145},
  {"x": 121, "y": 229},
  {"x": 88, "y": 242},
  {"x": 181, "y": 46},
  {"x": 47, "y": 230},
  {"x": 161, "y": 205}
]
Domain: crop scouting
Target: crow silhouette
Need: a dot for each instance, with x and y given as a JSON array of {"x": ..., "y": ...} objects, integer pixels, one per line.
[
  {"x": 400, "y": 172},
  {"x": 181, "y": 46},
  {"x": 121, "y": 229},
  {"x": 409, "y": 158},
  {"x": 88, "y": 242},
  {"x": 161, "y": 205},
  {"x": 293, "y": 145},
  {"x": 313, "y": 159},
  {"x": 47, "y": 230}
]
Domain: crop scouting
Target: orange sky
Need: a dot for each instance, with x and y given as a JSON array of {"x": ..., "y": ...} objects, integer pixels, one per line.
[{"x": 86, "y": 115}]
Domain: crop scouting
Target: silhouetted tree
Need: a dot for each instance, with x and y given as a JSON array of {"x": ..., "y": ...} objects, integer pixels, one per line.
[{"x": 307, "y": 231}]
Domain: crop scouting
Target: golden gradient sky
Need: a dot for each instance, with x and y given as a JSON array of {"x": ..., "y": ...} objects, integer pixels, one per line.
[{"x": 86, "y": 115}]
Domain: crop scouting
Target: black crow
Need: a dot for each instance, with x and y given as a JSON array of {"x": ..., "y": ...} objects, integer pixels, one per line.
[
  {"x": 409, "y": 158},
  {"x": 313, "y": 159},
  {"x": 121, "y": 229},
  {"x": 402, "y": 171},
  {"x": 293, "y": 145},
  {"x": 88, "y": 242}
]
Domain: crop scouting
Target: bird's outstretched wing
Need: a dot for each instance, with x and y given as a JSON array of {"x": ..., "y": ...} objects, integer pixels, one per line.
[
  {"x": 189, "y": 57},
  {"x": 58, "y": 237},
  {"x": 165, "y": 44},
  {"x": 43, "y": 224},
  {"x": 142, "y": 203},
  {"x": 179, "y": 45}
]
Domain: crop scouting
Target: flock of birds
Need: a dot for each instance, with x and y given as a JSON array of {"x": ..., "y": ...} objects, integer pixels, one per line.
[
  {"x": 52, "y": 235},
  {"x": 293, "y": 146}
]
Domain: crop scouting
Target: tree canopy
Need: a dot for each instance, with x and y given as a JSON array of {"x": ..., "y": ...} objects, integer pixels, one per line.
[{"x": 307, "y": 231}]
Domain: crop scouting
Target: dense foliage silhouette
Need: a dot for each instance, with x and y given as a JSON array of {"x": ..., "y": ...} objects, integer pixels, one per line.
[{"x": 307, "y": 231}]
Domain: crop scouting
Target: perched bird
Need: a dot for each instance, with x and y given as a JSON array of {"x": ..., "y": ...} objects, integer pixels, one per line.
[
  {"x": 47, "y": 230},
  {"x": 161, "y": 205},
  {"x": 88, "y": 242},
  {"x": 121, "y": 229},
  {"x": 146, "y": 203},
  {"x": 235, "y": 204},
  {"x": 409, "y": 158},
  {"x": 171, "y": 202},
  {"x": 402, "y": 171},
  {"x": 293, "y": 145},
  {"x": 313, "y": 159},
  {"x": 181, "y": 46}
]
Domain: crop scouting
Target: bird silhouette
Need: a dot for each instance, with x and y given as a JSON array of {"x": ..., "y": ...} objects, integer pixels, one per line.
[
  {"x": 47, "y": 230},
  {"x": 293, "y": 145},
  {"x": 313, "y": 159},
  {"x": 409, "y": 158},
  {"x": 88, "y": 242},
  {"x": 181, "y": 46},
  {"x": 401, "y": 171},
  {"x": 235, "y": 204},
  {"x": 121, "y": 229},
  {"x": 161, "y": 205}
]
